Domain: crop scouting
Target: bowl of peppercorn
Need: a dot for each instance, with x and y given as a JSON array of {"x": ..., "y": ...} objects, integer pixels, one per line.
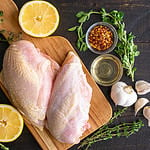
[{"x": 101, "y": 38}]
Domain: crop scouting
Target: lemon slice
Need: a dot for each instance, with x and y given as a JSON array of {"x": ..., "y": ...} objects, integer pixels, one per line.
[
  {"x": 38, "y": 18},
  {"x": 11, "y": 123}
]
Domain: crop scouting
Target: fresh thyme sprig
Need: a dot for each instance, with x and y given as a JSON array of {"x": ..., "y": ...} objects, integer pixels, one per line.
[
  {"x": 106, "y": 132},
  {"x": 126, "y": 49},
  {"x": 117, "y": 114},
  {"x": 2, "y": 147}
]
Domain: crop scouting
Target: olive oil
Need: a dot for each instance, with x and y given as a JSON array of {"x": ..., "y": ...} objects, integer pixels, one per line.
[{"x": 106, "y": 69}]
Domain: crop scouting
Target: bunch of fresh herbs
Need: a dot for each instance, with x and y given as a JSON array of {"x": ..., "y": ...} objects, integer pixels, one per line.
[
  {"x": 126, "y": 49},
  {"x": 107, "y": 132}
]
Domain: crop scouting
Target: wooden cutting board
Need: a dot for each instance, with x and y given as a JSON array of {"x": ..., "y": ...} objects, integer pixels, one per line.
[{"x": 57, "y": 47}]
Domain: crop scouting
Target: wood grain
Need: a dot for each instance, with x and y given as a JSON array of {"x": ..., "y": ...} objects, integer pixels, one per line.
[{"x": 57, "y": 47}]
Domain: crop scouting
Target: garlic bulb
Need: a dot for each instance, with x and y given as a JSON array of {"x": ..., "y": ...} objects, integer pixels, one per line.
[
  {"x": 142, "y": 87},
  {"x": 141, "y": 102},
  {"x": 123, "y": 95},
  {"x": 146, "y": 113}
]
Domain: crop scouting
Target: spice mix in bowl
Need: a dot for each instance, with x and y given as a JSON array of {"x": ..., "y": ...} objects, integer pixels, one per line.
[{"x": 101, "y": 37}]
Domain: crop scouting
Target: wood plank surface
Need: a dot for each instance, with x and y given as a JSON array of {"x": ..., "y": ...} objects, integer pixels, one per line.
[{"x": 57, "y": 47}]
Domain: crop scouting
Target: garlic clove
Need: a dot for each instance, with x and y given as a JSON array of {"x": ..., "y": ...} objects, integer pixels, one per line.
[
  {"x": 146, "y": 113},
  {"x": 142, "y": 87},
  {"x": 141, "y": 102}
]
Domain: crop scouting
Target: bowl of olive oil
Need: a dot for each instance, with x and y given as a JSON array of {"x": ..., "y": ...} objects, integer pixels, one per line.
[{"x": 106, "y": 69}]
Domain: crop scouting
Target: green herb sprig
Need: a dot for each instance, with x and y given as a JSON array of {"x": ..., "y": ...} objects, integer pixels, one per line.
[
  {"x": 126, "y": 49},
  {"x": 82, "y": 18},
  {"x": 106, "y": 132},
  {"x": 11, "y": 36},
  {"x": 2, "y": 147},
  {"x": 1, "y": 14}
]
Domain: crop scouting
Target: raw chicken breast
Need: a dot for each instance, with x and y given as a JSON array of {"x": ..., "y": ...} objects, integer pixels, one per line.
[
  {"x": 67, "y": 114},
  {"x": 28, "y": 76}
]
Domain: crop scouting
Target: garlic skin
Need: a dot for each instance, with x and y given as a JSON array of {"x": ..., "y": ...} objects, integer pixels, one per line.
[
  {"x": 140, "y": 103},
  {"x": 123, "y": 95},
  {"x": 146, "y": 113},
  {"x": 142, "y": 87}
]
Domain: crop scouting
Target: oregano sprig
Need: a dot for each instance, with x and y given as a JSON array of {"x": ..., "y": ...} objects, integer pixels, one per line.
[
  {"x": 82, "y": 18},
  {"x": 126, "y": 49}
]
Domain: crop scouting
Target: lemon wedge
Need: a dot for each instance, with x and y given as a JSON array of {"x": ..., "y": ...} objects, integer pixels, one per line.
[
  {"x": 11, "y": 123},
  {"x": 38, "y": 18}
]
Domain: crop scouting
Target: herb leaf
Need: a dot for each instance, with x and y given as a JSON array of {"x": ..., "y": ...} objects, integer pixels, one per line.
[
  {"x": 1, "y": 13},
  {"x": 2, "y": 147},
  {"x": 80, "y": 14},
  {"x": 82, "y": 19},
  {"x": 73, "y": 28}
]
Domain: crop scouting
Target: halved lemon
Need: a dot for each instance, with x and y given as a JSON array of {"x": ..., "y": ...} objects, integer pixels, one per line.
[
  {"x": 38, "y": 18},
  {"x": 11, "y": 123}
]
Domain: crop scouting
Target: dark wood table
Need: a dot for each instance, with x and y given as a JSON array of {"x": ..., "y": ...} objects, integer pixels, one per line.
[{"x": 137, "y": 19}]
